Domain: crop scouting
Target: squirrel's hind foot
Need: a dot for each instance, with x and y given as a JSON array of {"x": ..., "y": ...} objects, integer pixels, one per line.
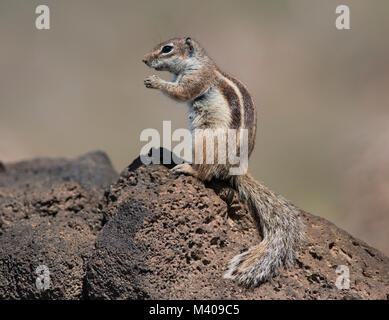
[{"x": 184, "y": 168}]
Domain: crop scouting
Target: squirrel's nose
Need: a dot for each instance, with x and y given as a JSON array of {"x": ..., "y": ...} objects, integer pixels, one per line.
[{"x": 144, "y": 61}]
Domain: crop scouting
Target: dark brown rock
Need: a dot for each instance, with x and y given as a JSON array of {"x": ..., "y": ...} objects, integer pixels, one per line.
[
  {"x": 171, "y": 237},
  {"x": 159, "y": 236},
  {"x": 50, "y": 213}
]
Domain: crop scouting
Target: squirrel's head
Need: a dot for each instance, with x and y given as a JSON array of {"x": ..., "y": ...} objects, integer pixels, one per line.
[{"x": 174, "y": 55}]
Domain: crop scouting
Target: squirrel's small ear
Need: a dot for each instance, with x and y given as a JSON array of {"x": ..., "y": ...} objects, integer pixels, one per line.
[{"x": 189, "y": 44}]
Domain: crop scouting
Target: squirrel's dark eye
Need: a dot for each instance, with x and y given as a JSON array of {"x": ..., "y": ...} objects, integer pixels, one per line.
[{"x": 167, "y": 49}]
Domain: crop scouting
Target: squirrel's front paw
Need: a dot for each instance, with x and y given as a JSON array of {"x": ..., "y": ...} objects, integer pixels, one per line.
[{"x": 152, "y": 82}]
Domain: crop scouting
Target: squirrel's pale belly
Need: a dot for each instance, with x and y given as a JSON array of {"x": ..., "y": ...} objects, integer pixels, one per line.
[{"x": 209, "y": 110}]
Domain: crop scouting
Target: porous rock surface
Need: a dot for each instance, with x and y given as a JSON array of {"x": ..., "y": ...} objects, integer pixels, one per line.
[
  {"x": 171, "y": 237},
  {"x": 155, "y": 235},
  {"x": 50, "y": 214}
]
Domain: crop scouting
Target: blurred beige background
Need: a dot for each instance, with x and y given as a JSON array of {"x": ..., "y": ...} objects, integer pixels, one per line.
[{"x": 322, "y": 94}]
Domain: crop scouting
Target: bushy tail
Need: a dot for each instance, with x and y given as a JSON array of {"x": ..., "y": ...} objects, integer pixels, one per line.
[{"x": 281, "y": 229}]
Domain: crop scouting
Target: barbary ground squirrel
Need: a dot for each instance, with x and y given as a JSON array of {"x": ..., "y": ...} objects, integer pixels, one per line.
[{"x": 219, "y": 101}]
